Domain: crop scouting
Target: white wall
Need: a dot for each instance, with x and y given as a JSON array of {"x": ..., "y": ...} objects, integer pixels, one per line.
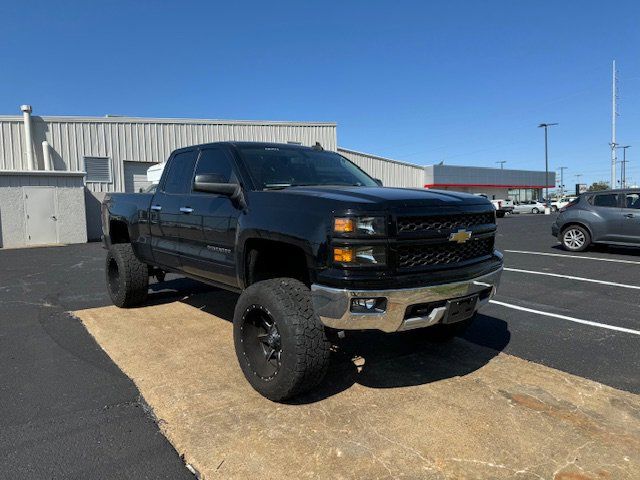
[{"x": 71, "y": 217}]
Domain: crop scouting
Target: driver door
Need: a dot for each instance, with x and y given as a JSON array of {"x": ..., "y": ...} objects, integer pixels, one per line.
[
  {"x": 209, "y": 241},
  {"x": 631, "y": 217}
]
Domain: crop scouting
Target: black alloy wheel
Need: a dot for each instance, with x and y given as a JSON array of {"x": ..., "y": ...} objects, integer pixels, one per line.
[{"x": 261, "y": 340}]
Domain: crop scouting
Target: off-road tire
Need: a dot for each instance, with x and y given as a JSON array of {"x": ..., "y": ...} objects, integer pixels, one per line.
[
  {"x": 304, "y": 355},
  {"x": 127, "y": 277},
  {"x": 575, "y": 246}
]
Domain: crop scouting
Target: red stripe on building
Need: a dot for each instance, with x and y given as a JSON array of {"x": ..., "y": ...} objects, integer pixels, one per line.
[{"x": 432, "y": 185}]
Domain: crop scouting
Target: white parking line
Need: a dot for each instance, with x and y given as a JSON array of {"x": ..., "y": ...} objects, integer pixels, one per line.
[
  {"x": 614, "y": 260},
  {"x": 571, "y": 277},
  {"x": 564, "y": 317}
]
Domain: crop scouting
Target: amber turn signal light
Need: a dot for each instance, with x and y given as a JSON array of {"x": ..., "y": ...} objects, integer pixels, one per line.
[
  {"x": 343, "y": 255},
  {"x": 343, "y": 225}
]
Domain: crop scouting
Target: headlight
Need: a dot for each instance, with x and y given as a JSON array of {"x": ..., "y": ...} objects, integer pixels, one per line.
[
  {"x": 348, "y": 255},
  {"x": 367, "y": 226}
]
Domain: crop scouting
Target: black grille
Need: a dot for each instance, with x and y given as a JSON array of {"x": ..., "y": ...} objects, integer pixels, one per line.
[
  {"x": 410, "y": 256},
  {"x": 443, "y": 222}
]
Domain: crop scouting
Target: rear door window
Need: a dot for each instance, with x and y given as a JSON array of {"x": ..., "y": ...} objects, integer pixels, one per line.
[
  {"x": 180, "y": 173},
  {"x": 606, "y": 200}
]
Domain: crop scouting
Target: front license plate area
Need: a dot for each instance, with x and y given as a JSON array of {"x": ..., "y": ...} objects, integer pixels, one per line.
[{"x": 460, "y": 309}]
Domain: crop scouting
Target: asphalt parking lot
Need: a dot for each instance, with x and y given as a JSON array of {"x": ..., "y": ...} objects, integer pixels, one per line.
[
  {"x": 601, "y": 352},
  {"x": 68, "y": 411}
]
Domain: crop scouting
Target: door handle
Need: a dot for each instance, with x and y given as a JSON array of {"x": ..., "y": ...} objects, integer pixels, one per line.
[
  {"x": 629, "y": 215},
  {"x": 156, "y": 208},
  {"x": 186, "y": 209},
  {"x": 54, "y": 218}
]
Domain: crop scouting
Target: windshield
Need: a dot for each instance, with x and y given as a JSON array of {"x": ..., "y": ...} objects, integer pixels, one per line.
[{"x": 281, "y": 167}]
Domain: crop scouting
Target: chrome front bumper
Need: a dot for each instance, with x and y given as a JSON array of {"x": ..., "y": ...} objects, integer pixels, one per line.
[{"x": 333, "y": 305}]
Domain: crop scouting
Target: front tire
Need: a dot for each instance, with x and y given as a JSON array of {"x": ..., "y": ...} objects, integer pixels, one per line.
[
  {"x": 127, "y": 277},
  {"x": 535, "y": 210},
  {"x": 575, "y": 238},
  {"x": 280, "y": 342}
]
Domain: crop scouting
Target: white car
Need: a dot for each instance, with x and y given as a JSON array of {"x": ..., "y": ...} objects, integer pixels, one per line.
[
  {"x": 529, "y": 206},
  {"x": 559, "y": 203}
]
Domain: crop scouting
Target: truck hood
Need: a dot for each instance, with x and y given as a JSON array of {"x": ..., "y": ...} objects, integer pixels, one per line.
[{"x": 385, "y": 196}]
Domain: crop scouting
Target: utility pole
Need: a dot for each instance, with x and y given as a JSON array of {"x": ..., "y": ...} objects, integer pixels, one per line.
[
  {"x": 562, "y": 169},
  {"x": 502, "y": 162},
  {"x": 614, "y": 114},
  {"x": 623, "y": 166},
  {"x": 546, "y": 161}
]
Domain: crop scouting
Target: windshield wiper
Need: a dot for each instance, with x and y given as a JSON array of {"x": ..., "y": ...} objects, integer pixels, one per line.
[{"x": 280, "y": 186}]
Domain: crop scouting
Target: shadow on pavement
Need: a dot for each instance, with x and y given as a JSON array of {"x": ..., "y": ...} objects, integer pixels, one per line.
[{"x": 370, "y": 358}]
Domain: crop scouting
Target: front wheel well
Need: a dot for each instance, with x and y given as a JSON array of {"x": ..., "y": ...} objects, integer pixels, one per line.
[
  {"x": 267, "y": 259},
  {"x": 118, "y": 232}
]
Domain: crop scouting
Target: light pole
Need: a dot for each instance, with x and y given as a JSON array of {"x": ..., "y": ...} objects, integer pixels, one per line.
[
  {"x": 546, "y": 161},
  {"x": 502, "y": 162},
  {"x": 623, "y": 168}
]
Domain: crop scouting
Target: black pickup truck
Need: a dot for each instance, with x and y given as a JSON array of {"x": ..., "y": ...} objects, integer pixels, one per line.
[{"x": 314, "y": 246}]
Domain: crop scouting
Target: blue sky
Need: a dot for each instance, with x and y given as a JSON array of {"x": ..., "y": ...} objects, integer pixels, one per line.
[{"x": 466, "y": 82}]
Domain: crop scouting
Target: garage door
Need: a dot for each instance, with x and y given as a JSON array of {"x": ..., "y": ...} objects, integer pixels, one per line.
[{"x": 135, "y": 176}]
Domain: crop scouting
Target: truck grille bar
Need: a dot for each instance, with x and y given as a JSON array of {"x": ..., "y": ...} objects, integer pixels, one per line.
[
  {"x": 443, "y": 222},
  {"x": 428, "y": 255}
]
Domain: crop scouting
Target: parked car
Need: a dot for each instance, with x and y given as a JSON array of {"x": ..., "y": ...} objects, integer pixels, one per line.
[
  {"x": 313, "y": 245},
  {"x": 560, "y": 203},
  {"x": 528, "y": 206},
  {"x": 609, "y": 217}
]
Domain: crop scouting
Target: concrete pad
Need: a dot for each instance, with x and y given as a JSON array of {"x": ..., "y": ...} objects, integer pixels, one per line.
[{"x": 392, "y": 407}]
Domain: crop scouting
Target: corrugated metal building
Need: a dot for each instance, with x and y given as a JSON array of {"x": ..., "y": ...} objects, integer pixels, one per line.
[
  {"x": 393, "y": 173},
  {"x": 137, "y": 140},
  {"x": 112, "y": 154}
]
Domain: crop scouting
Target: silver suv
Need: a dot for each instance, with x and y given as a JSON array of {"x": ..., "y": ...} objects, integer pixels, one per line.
[{"x": 609, "y": 217}]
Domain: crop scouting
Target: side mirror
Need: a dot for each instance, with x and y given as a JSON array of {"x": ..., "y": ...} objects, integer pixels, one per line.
[
  {"x": 378, "y": 181},
  {"x": 213, "y": 183}
]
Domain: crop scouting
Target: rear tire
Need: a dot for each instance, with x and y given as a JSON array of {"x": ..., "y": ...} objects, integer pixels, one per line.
[
  {"x": 280, "y": 342},
  {"x": 127, "y": 277},
  {"x": 575, "y": 238},
  {"x": 499, "y": 214}
]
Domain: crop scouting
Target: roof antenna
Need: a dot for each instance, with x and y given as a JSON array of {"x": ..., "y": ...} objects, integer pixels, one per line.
[{"x": 317, "y": 146}]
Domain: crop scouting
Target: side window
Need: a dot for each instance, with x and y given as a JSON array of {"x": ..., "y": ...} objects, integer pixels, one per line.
[
  {"x": 632, "y": 200},
  {"x": 215, "y": 161},
  {"x": 606, "y": 200},
  {"x": 180, "y": 173}
]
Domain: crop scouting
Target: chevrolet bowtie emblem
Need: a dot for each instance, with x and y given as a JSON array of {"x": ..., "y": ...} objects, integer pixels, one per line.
[{"x": 461, "y": 236}]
